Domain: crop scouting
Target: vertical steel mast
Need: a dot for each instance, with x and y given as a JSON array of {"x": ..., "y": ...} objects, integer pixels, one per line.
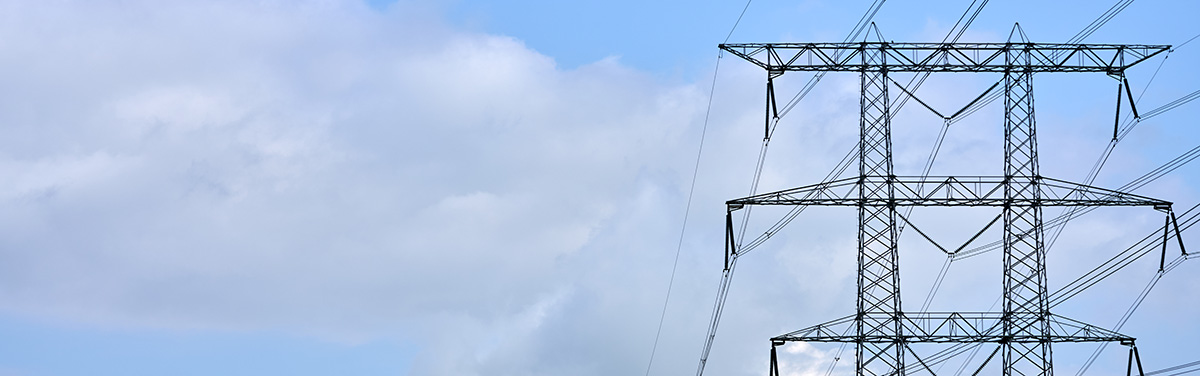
[
  {"x": 878, "y": 312},
  {"x": 880, "y": 329},
  {"x": 1025, "y": 298}
]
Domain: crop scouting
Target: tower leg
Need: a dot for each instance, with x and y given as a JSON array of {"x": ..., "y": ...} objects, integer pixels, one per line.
[
  {"x": 1027, "y": 352},
  {"x": 879, "y": 350}
]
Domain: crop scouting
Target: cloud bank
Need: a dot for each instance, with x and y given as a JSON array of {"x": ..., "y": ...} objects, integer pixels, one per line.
[
  {"x": 314, "y": 167},
  {"x": 326, "y": 169}
]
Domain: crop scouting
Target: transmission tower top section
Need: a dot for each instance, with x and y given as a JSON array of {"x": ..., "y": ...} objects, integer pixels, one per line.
[
  {"x": 882, "y": 331},
  {"x": 944, "y": 57}
]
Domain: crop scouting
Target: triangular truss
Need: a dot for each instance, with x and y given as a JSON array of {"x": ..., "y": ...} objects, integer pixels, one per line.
[
  {"x": 880, "y": 329},
  {"x": 954, "y": 327},
  {"x": 947, "y": 191},
  {"x": 943, "y": 57}
]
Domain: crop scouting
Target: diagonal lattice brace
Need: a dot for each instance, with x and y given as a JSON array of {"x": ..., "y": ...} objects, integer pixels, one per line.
[
  {"x": 956, "y": 327},
  {"x": 1025, "y": 299},
  {"x": 878, "y": 280},
  {"x": 942, "y": 57},
  {"x": 950, "y": 191},
  {"x": 880, "y": 329}
]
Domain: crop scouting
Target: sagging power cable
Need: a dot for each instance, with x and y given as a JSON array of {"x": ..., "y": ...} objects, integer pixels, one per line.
[
  {"x": 1078, "y": 38},
  {"x": 1130, "y": 123},
  {"x": 969, "y": 15},
  {"x": 1137, "y": 302},
  {"x": 859, "y": 28},
  {"x": 691, "y": 193},
  {"x": 912, "y": 87},
  {"x": 1190, "y": 218},
  {"x": 727, "y": 274},
  {"x": 686, "y": 213},
  {"x": 1149, "y": 177},
  {"x": 1119, "y": 261},
  {"x": 1187, "y": 367}
]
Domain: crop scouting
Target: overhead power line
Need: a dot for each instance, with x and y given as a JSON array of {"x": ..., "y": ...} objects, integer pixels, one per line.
[
  {"x": 727, "y": 273},
  {"x": 1023, "y": 191}
]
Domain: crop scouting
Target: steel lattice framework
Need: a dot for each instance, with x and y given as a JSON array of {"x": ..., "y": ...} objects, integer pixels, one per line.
[
  {"x": 944, "y": 57},
  {"x": 880, "y": 329}
]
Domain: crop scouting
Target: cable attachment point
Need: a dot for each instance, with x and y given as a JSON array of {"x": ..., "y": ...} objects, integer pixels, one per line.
[
  {"x": 774, "y": 371},
  {"x": 730, "y": 247},
  {"x": 1178, "y": 234},
  {"x": 772, "y": 106},
  {"x": 1117, "y": 118}
]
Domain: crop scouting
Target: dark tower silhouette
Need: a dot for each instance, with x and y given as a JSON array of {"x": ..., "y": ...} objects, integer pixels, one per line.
[{"x": 881, "y": 331}]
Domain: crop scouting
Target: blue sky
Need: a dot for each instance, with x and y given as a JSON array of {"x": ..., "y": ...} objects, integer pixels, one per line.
[{"x": 438, "y": 187}]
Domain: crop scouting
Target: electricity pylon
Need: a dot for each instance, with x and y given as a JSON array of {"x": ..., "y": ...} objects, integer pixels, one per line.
[{"x": 880, "y": 329}]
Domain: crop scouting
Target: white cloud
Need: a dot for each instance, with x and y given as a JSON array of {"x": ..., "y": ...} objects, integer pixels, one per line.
[
  {"x": 324, "y": 169},
  {"x": 321, "y": 168}
]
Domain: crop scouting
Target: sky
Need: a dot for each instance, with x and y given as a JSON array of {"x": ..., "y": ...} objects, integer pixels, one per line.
[{"x": 460, "y": 187}]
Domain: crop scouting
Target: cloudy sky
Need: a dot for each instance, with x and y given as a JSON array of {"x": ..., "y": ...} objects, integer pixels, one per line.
[{"x": 467, "y": 187}]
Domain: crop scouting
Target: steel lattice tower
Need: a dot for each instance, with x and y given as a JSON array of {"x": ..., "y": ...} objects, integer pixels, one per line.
[{"x": 880, "y": 329}]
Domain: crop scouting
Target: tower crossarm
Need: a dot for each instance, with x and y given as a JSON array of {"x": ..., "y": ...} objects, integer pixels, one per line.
[
  {"x": 943, "y": 57},
  {"x": 954, "y": 327},
  {"x": 948, "y": 191}
]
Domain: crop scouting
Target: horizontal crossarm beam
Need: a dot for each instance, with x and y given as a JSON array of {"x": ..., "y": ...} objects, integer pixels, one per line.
[
  {"x": 943, "y": 57},
  {"x": 948, "y": 191},
  {"x": 954, "y": 327}
]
